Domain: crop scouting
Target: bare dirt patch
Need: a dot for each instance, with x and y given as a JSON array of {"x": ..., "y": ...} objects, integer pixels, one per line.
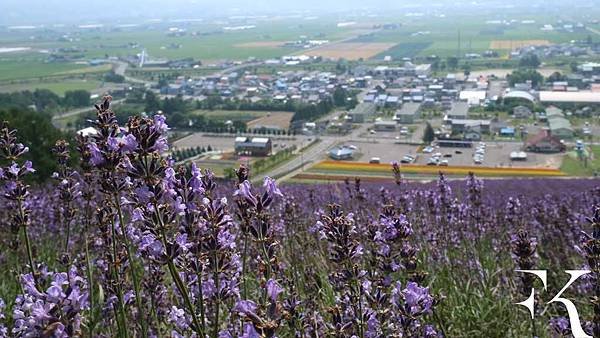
[
  {"x": 279, "y": 120},
  {"x": 350, "y": 50},
  {"x": 260, "y": 44},
  {"x": 514, "y": 44}
]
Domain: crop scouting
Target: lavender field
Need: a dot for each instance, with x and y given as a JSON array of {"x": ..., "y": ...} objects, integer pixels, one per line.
[{"x": 125, "y": 244}]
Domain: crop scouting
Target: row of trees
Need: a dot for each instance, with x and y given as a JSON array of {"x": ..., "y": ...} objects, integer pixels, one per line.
[
  {"x": 45, "y": 100},
  {"x": 183, "y": 154},
  {"x": 179, "y": 111}
]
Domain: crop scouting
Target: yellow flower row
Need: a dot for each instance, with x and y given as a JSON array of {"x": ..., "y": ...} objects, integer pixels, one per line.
[{"x": 425, "y": 169}]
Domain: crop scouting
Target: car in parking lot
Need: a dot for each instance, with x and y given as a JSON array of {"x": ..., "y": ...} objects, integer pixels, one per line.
[
  {"x": 433, "y": 161},
  {"x": 447, "y": 155},
  {"x": 407, "y": 159},
  {"x": 428, "y": 149},
  {"x": 444, "y": 163}
]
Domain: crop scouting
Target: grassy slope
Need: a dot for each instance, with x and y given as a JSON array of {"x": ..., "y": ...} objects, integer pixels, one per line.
[{"x": 573, "y": 167}]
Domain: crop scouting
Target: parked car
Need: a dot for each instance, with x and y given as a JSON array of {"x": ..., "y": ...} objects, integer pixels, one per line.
[
  {"x": 433, "y": 161},
  {"x": 458, "y": 152},
  {"x": 375, "y": 160},
  {"x": 444, "y": 163},
  {"x": 447, "y": 155},
  {"x": 428, "y": 150},
  {"x": 407, "y": 159}
]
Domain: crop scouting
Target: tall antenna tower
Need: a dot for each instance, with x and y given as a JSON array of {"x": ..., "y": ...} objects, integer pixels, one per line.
[
  {"x": 142, "y": 58},
  {"x": 458, "y": 46}
]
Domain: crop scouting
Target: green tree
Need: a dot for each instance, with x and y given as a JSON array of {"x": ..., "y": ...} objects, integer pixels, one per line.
[
  {"x": 529, "y": 61},
  {"x": 466, "y": 69},
  {"x": 524, "y": 75},
  {"x": 339, "y": 96},
  {"x": 452, "y": 62},
  {"x": 77, "y": 98},
  {"x": 36, "y": 131},
  {"x": 152, "y": 104},
  {"x": 112, "y": 77},
  {"x": 556, "y": 76},
  {"x": 429, "y": 134}
]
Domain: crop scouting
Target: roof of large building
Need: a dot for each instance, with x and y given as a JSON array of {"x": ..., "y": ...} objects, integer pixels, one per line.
[
  {"x": 472, "y": 122},
  {"x": 409, "y": 108},
  {"x": 364, "y": 108},
  {"x": 472, "y": 96},
  {"x": 385, "y": 123},
  {"x": 554, "y": 111},
  {"x": 519, "y": 94},
  {"x": 254, "y": 141},
  {"x": 459, "y": 109},
  {"x": 341, "y": 152},
  {"x": 543, "y": 135},
  {"x": 559, "y": 123},
  {"x": 581, "y": 96}
]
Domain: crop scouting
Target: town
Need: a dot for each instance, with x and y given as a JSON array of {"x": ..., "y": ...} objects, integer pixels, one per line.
[{"x": 511, "y": 107}]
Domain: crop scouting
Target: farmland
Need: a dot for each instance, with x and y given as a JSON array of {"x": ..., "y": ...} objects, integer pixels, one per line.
[
  {"x": 58, "y": 87},
  {"x": 209, "y": 43},
  {"x": 332, "y": 170},
  {"x": 244, "y": 116},
  {"x": 350, "y": 50},
  {"x": 404, "y": 49}
]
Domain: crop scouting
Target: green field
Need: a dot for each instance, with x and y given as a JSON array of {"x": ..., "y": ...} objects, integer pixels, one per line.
[
  {"x": 13, "y": 69},
  {"x": 404, "y": 49},
  {"x": 59, "y": 87}
]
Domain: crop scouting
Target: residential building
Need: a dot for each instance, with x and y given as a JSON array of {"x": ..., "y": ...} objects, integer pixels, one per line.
[
  {"x": 459, "y": 111},
  {"x": 460, "y": 126},
  {"x": 408, "y": 113},
  {"x": 522, "y": 112},
  {"x": 561, "y": 127},
  {"x": 507, "y": 132},
  {"x": 472, "y": 134},
  {"x": 362, "y": 112},
  {"x": 385, "y": 125}
]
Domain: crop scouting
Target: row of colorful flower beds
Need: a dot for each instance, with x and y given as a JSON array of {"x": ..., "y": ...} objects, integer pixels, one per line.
[{"x": 370, "y": 169}]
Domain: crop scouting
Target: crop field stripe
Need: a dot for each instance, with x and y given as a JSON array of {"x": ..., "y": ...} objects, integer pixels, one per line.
[
  {"x": 452, "y": 170},
  {"x": 403, "y": 49}
]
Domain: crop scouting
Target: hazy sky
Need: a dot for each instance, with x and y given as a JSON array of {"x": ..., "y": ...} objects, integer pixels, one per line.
[{"x": 22, "y": 12}]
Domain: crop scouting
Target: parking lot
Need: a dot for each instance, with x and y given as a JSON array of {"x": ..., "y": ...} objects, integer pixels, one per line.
[
  {"x": 225, "y": 143},
  {"x": 497, "y": 154}
]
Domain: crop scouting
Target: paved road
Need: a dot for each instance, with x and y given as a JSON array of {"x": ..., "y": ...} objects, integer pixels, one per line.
[
  {"x": 314, "y": 153},
  {"x": 593, "y": 30},
  {"x": 80, "y": 111}
]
